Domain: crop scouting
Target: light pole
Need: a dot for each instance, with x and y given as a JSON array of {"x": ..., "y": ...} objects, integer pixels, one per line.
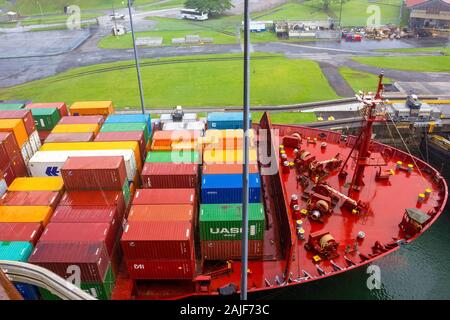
[
  {"x": 245, "y": 175},
  {"x": 340, "y": 15},
  {"x": 136, "y": 58}
]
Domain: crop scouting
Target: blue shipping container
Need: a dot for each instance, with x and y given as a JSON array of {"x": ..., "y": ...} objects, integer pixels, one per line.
[
  {"x": 227, "y": 188},
  {"x": 19, "y": 251},
  {"x": 226, "y": 120},
  {"x": 131, "y": 118}
]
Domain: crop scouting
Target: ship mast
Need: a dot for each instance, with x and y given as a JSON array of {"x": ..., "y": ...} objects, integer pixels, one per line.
[{"x": 370, "y": 116}]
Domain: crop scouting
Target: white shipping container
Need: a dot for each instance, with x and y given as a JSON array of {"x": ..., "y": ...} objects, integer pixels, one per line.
[
  {"x": 29, "y": 149},
  {"x": 187, "y": 117},
  {"x": 24, "y": 151},
  {"x": 49, "y": 163},
  {"x": 3, "y": 187},
  {"x": 197, "y": 125},
  {"x": 35, "y": 141}
]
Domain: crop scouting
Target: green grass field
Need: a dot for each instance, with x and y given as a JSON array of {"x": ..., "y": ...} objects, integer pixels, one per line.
[
  {"x": 56, "y": 19},
  {"x": 359, "y": 80},
  {"x": 29, "y": 7},
  {"x": 190, "y": 82},
  {"x": 419, "y": 63},
  {"x": 442, "y": 50}
]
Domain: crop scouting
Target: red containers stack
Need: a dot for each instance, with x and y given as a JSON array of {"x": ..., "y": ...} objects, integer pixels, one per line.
[
  {"x": 169, "y": 175},
  {"x": 159, "y": 249},
  {"x": 21, "y": 232},
  {"x": 12, "y": 164},
  {"x": 31, "y": 198},
  {"x": 70, "y": 137},
  {"x": 60, "y": 106},
  {"x": 85, "y": 228},
  {"x": 158, "y": 241},
  {"x": 82, "y": 120}
]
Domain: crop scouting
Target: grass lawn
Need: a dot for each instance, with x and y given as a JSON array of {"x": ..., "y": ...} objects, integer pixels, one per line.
[
  {"x": 287, "y": 117},
  {"x": 192, "y": 81},
  {"x": 359, "y": 80},
  {"x": 425, "y": 64},
  {"x": 309, "y": 10},
  {"x": 442, "y": 50},
  {"x": 29, "y": 7},
  {"x": 55, "y": 19}
]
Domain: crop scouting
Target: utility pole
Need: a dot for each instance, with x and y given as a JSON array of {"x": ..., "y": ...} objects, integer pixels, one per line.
[
  {"x": 245, "y": 175},
  {"x": 340, "y": 15},
  {"x": 136, "y": 58}
]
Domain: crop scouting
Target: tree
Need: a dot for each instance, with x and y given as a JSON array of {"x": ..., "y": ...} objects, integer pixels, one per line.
[{"x": 209, "y": 6}]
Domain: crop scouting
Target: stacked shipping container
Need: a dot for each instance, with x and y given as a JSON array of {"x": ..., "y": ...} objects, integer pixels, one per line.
[
  {"x": 46, "y": 116},
  {"x": 86, "y": 225},
  {"x": 221, "y": 191},
  {"x": 25, "y": 210}
]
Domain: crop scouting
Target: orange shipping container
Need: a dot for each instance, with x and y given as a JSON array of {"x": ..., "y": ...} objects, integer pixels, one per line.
[
  {"x": 17, "y": 127},
  {"x": 41, "y": 214},
  {"x": 163, "y": 140},
  {"x": 175, "y": 212},
  {"x": 88, "y": 108}
]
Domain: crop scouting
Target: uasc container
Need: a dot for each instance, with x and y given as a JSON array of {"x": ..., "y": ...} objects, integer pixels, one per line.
[
  {"x": 224, "y": 222},
  {"x": 64, "y": 258},
  {"x": 169, "y": 175},
  {"x": 101, "y": 173},
  {"x": 160, "y": 196},
  {"x": 158, "y": 240},
  {"x": 227, "y": 188}
]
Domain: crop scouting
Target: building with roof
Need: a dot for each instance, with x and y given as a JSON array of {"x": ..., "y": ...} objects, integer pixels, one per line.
[{"x": 429, "y": 13}]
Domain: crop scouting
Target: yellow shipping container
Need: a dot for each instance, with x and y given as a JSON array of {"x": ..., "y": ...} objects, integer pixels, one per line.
[
  {"x": 117, "y": 145},
  {"x": 76, "y": 128},
  {"x": 86, "y": 108},
  {"x": 40, "y": 214},
  {"x": 228, "y": 156},
  {"x": 37, "y": 184},
  {"x": 17, "y": 127}
]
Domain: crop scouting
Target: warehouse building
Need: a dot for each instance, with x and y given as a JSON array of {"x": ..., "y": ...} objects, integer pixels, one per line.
[{"x": 429, "y": 13}]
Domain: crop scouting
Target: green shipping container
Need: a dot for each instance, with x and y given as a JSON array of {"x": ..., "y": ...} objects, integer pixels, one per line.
[
  {"x": 15, "y": 251},
  {"x": 185, "y": 156},
  {"x": 125, "y": 127},
  {"x": 11, "y": 106},
  {"x": 45, "y": 118},
  {"x": 224, "y": 221},
  {"x": 126, "y": 192},
  {"x": 100, "y": 291}
]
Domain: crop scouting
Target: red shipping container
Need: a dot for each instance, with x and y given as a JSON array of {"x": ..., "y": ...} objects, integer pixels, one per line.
[
  {"x": 161, "y": 269},
  {"x": 165, "y": 196},
  {"x": 8, "y": 149},
  {"x": 70, "y": 137},
  {"x": 61, "y": 106},
  {"x": 81, "y": 232},
  {"x": 82, "y": 120},
  {"x": 176, "y": 212},
  {"x": 230, "y": 250},
  {"x": 31, "y": 198},
  {"x": 227, "y": 168},
  {"x": 170, "y": 175},
  {"x": 137, "y": 136},
  {"x": 25, "y": 115},
  {"x": 86, "y": 214},
  {"x": 67, "y": 259},
  {"x": 15, "y": 170},
  {"x": 158, "y": 240},
  {"x": 43, "y": 135},
  {"x": 94, "y": 173},
  {"x": 95, "y": 198},
  {"x": 27, "y": 232}
]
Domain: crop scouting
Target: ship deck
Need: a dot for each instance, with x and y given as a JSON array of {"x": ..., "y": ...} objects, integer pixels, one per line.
[{"x": 286, "y": 262}]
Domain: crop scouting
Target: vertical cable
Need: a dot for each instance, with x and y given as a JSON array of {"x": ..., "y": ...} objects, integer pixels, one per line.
[
  {"x": 245, "y": 176},
  {"x": 136, "y": 58}
]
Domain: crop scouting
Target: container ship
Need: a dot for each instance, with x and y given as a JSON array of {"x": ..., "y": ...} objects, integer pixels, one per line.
[{"x": 124, "y": 207}]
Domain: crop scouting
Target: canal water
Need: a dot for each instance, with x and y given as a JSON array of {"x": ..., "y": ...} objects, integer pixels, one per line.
[{"x": 420, "y": 270}]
